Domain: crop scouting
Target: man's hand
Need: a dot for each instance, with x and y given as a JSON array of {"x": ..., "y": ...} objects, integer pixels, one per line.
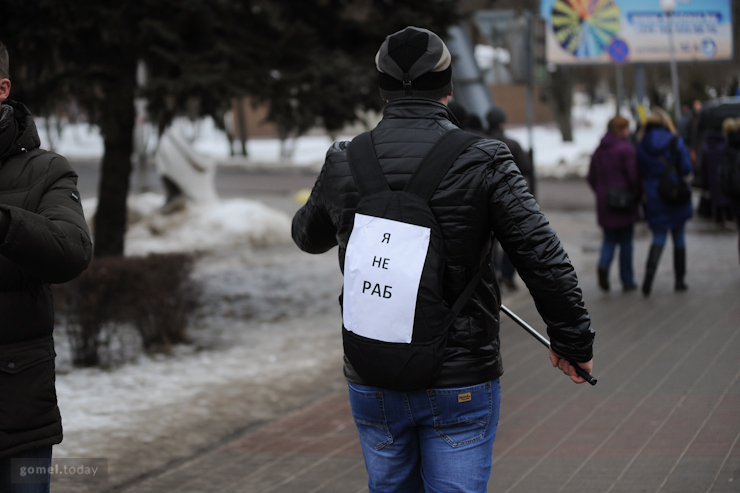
[{"x": 567, "y": 368}]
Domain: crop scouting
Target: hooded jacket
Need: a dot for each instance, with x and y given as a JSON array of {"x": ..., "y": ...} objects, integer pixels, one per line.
[
  {"x": 43, "y": 239},
  {"x": 483, "y": 194},
  {"x": 656, "y": 143},
  {"x": 614, "y": 164}
]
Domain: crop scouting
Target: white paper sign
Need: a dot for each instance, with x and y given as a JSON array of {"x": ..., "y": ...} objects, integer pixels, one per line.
[{"x": 382, "y": 271}]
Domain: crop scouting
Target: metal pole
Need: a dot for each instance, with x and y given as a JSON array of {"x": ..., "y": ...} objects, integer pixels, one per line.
[
  {"x": 674, "y": 70},
  {"x": 530, "y": 94},
  {"x": 640, "y": 90},
  {"x": 580, "y": 371},
  {"x": 620, "y": 87}
]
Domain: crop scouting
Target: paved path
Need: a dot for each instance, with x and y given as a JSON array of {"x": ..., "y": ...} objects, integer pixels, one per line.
[{"x": 664, "y": 417}]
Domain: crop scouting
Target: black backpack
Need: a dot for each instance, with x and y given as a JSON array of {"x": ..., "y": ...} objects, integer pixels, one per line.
[{"x": 393, "y": 342}]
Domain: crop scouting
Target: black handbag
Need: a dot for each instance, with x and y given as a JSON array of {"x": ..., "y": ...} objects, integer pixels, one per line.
[
  {"x": 672, "y": 189},
  {"x": 618, "y": 199}
]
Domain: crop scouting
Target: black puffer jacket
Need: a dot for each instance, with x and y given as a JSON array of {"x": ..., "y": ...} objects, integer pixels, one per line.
[
  {"x": 483, "y": 193},
  {"x": 43, "y": 239}
]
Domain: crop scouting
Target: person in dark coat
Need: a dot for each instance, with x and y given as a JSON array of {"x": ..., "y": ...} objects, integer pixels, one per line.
[
  {"x": 482, "y": 195},
  {"x": 656, "y": 142},
  {"x": 731, "y": 128},
  {"x": 712, "y": 155},
  {"x": 496, "y": 118},
  {"x": 43, "y": 239},
  {"x": 614, "y": 165}
]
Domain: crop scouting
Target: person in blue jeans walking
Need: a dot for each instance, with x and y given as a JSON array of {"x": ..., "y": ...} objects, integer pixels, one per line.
[
  {"x": 658, "y": 147},
  {"x": 440, "y": 438},
  {"x": 614, "y": 165}
]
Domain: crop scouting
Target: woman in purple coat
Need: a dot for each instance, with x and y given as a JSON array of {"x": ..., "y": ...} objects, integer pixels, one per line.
[
  {"x": 656, "y": 147},
  {"x": 614, "y": 165}
]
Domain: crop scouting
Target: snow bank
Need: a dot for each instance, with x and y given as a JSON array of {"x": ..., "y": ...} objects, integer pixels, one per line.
[{"x": 198, "y": 227}]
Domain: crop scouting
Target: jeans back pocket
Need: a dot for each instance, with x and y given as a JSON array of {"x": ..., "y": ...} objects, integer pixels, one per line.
[
  {"x": 462, "y": 415},
  {"x": 368, "y": 411}
]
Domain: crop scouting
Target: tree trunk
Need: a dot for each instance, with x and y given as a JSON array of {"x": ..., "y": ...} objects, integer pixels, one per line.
[
  {"x": 242, "y": 119},
  {"x": 117, "y": 126}
]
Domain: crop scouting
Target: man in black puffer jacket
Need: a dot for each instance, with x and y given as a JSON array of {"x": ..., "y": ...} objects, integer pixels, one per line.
[
  {"x": 440, "y": 438},
  {"x": 43, "y": 239}
]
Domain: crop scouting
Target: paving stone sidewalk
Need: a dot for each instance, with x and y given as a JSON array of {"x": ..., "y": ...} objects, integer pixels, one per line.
[{"x": 664, "y": 416}]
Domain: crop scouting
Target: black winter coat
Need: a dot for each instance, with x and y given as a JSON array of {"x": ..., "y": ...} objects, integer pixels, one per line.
[
  {"x": 483, "y": 193},
  {"x": 45, "y": 240}
]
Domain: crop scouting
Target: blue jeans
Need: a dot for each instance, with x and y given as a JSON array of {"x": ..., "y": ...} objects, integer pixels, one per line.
[
  {"x": 623, "y": 238},
  {"x": 433, "y": 441},
  {"x": 678, "y": 235},
  {"x": 6, "y": 474}
]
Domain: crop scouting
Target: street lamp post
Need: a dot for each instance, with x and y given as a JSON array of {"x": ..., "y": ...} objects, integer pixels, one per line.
[{"x": 668, "y": 7}]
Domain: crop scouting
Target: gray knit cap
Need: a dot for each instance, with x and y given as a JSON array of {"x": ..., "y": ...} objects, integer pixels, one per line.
[{"x": 414, "y": 62}]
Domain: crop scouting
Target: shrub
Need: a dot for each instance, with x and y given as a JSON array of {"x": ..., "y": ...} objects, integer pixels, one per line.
[{"x": 156, "y": 294}]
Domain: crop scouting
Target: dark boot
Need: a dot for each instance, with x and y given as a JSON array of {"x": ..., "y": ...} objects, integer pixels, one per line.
[
  {"x": 603, "y": 278},
  {"x": 650, "y": 268},
  {"x": 679, "y": 268}
]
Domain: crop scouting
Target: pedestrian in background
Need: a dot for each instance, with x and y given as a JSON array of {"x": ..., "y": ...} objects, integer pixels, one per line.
[
  {"x": 731, "y": 162},
  {"x": 692, "y": 140},
  {"x": 43, "y": 239},
  {"x": 496, "y": 118},
  {"x": 712, "y": 156},
  {"x": 613, "y": 169},
  {"x": 659, "y": 148}
]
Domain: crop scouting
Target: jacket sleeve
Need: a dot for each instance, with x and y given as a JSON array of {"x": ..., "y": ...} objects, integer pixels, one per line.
[
  {"x": 53, "y": 243},
  {"x": 312, "y": 229},
  {"x": 535, "y": 250}
]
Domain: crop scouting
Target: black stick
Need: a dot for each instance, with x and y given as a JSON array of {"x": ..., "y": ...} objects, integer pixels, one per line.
[{"x": 580, "y": 371}]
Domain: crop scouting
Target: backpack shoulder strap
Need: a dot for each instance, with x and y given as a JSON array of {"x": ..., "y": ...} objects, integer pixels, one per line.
[
  {"x": 438, "y": 161},
  {"x": 364, "y": 165}
]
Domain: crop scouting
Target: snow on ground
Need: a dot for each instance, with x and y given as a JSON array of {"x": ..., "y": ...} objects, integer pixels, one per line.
[
  {"x": 198, "y": 227},
  {"x": 553, "y": 157},
  {"x": 267, "y": 331}
]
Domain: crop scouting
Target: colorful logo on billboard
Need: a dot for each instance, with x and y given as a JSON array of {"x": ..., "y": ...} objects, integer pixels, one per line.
[{"x": 585, "y": 28}]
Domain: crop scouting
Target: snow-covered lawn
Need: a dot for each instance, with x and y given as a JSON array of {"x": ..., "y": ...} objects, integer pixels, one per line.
[{"x": 198, "y": 227}]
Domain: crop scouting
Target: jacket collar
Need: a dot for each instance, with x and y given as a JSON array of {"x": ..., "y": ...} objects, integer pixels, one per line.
[
  {"x": 27, "y": 137},
  {"x": 418, "y": 108}
]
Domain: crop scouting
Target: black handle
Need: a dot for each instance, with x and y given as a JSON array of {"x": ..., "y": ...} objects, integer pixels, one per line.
[
  {"x": 584, "y": 374},
  {"x": 580, "y": 371}
]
